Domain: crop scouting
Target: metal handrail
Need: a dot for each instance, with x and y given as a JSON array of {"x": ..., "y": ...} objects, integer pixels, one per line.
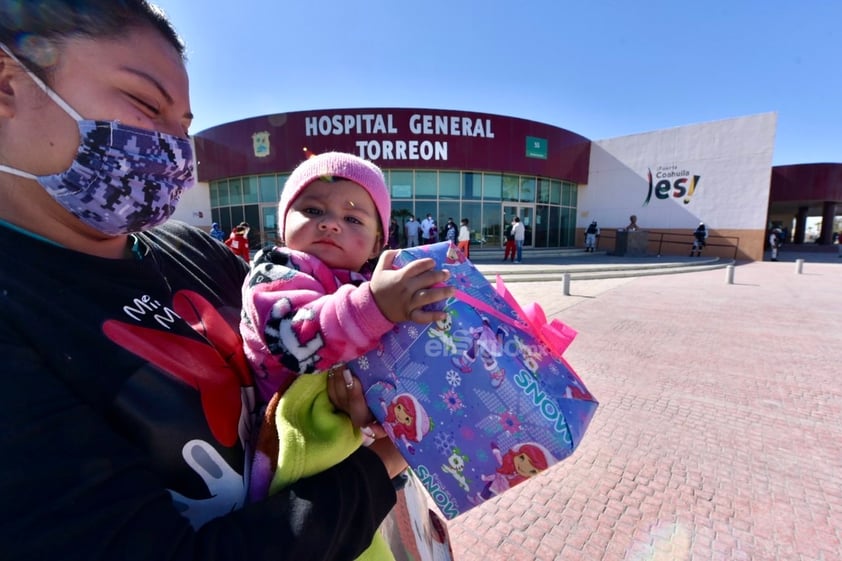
[{"x": 687, "y": 239}]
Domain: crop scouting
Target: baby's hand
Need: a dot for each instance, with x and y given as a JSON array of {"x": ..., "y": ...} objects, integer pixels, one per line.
[{"x": 402, "y": 293}]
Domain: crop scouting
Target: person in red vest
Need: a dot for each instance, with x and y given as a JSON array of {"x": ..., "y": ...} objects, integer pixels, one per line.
[{"x": 239, "y": 243}]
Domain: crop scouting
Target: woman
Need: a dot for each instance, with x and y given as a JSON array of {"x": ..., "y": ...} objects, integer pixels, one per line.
[{"x": 127, "y": 409}]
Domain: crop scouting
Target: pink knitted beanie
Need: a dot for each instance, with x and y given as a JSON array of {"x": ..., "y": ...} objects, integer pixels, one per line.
[{"x": 337, "y": 165}]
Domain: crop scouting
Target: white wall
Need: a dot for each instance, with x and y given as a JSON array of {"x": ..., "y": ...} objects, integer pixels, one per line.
[
  {"x": 733, "y": 159},
  {"x": 194, "y": 206}
]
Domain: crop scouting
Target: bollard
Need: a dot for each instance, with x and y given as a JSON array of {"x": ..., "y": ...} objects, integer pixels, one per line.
[
  {"x": 565, "y": 281},
  {"x": 729, "y": 274},
  {"x": 799, "y": 265}
]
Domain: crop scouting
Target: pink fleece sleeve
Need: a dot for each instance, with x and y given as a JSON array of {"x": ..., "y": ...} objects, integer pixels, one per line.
[{"x": 298, "y": 318}]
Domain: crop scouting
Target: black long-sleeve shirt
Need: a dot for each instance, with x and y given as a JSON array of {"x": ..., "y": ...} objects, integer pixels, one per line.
[{"x": 126, "y": 412}]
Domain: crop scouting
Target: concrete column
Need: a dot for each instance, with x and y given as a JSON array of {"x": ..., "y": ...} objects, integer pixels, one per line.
[
  {"x": 828, "y": 214},
  {"x": 800, "y": 225}
]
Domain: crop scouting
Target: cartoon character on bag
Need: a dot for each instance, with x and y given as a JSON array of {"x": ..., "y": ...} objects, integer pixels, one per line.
[
  {"x": 521, "y": 462},
  {"x": 441, "y": 330},
  {"x": 456, "y": 467},
  {"x": 488, "y": 345},
  {"x": 406, "y": 420}
]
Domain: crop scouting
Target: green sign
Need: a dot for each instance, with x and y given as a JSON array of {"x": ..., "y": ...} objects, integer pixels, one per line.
[{"x": 536, "y": 147}]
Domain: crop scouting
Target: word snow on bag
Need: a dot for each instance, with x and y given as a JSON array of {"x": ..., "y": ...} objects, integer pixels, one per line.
[{"x": 480, "y": 401}]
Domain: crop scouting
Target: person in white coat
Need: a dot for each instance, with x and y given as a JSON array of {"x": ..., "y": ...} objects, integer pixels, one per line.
[{"x": 519, "y": 232}]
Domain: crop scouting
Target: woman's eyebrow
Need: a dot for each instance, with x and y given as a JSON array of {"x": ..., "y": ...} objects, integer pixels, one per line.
[{"x": 160, "y": 87}]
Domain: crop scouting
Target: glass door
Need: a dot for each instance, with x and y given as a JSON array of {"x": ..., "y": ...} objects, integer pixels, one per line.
[{"x": 526, "y": 213}]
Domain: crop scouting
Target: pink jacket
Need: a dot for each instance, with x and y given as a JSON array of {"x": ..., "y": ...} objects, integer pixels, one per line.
[{"x": 300, "y": 316}]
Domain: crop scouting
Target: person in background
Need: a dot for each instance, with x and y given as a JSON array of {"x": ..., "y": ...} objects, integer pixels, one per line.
[
  {"x": 519, "y": 233},
  {"x": 633, "y": 227},
  {"x": 775, "y": 242},
  {"x": 427, "y": 226},
  {"x": 464, "y": 238},
  {"x": 128, "y": 408},
  {"x": 450, "y": 231},
  {"x": 509, "y": 247},
  {"x": 413, "y": 230},
  {"x": 591, "y": 235},
  {"x": 700, "y": 236},
  {"x": 394, "y": 234},
  {"x": 216, "y": 232},
  {"x": 239, "y": 243}
]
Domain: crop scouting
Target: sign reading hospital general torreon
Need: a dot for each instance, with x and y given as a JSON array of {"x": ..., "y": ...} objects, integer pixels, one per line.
[
  {"x": 671, "y": 181},
  {"x": 399, "y": 149},
  {"x": 407, "y": 148}
]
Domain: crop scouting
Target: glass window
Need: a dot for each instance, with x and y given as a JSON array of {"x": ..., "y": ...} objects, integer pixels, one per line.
[
  {"x": 268, "y": 187},
  {"x": 574, "y": 194},
  {"x": 568, "y": 227},
  {"x": 493, "y": 188},
  {"x": 471, "y": 186},
  {"x": 223, "y": 216},
  {"x": 224, "y": 200},
  {"x": 214, "y": 194},
  {"x": 282, "y": 180},
  {"x": 491, "y": 227},
  {"x": 543, "y": 190},
  {"x": 425, "y": 185},
  {"x": 267, "y": 192},
  {"x": 449, "y": 185},
  {"x": 527, "y": 189},
  {"x": 555, "y": 192},
  {"x": 270, "y": 223},
  {"x": 542, "y": 224},
  {"x": 552, "y": 231},
  {"x": 235, "y": 191},
  {"x": 565, "y": 194},
  {"x": 401, "y": 184},
  {"x": 252, "y": 216},
  {"x": 250, "y": 189},
  {"x": 510, "y": 187}
]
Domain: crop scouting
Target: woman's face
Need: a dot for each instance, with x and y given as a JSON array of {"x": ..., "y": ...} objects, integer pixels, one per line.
[{"x": 137, "y": 78}]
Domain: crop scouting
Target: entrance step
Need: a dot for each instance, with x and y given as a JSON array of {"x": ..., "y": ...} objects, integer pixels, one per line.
[{"x": 599, "y": 268}]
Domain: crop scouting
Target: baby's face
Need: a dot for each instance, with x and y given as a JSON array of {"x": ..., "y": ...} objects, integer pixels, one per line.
[{"x": 336, "y": 222}]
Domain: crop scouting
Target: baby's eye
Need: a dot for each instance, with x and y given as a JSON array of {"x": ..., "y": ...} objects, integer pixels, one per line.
[
  {"x": 311, "y": 211},
  {"x": 353, "y": 220}
]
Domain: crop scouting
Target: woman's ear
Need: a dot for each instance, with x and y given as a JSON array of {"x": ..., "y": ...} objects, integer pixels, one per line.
[{"x": 8, "y": 70}]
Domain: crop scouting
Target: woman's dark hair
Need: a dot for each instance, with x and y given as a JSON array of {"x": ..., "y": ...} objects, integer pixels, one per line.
[{"x": 35, "y": 29}]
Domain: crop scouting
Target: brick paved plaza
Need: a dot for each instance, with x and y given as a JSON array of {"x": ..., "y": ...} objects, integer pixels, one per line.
[{"x": 719, "y": 431}]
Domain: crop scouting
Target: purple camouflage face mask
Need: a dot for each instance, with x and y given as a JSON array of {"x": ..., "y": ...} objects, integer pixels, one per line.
[{"x": 123, "y": 179}]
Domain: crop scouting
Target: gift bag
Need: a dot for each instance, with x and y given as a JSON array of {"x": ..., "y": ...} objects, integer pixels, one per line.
[{"x": 481, "y": 401}]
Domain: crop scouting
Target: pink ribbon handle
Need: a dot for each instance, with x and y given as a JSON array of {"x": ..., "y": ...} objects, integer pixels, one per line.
[{"x": 556, "y": 335}]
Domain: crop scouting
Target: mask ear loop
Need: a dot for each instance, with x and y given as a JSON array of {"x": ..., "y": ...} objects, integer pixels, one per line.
[
  {"x": 50, "y": 93},
  {"x": 38, "y": 82}
]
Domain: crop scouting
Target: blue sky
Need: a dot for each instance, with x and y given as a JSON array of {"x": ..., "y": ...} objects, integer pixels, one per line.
[{"x": 601, "y": 69}]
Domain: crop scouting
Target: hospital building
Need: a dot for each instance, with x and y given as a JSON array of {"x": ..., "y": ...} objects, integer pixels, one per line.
[{"x": 489, "y": 168}]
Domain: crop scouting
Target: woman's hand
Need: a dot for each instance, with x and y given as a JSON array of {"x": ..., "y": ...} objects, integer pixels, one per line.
[{"x": 346, "y": 394}]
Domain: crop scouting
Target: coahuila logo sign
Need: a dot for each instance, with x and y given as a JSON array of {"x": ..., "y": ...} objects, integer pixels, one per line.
[{"x": 671, "y": 181}]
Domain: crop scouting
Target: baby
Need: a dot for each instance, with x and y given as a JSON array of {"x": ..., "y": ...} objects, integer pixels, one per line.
[{"x": 325, "y": 297}]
